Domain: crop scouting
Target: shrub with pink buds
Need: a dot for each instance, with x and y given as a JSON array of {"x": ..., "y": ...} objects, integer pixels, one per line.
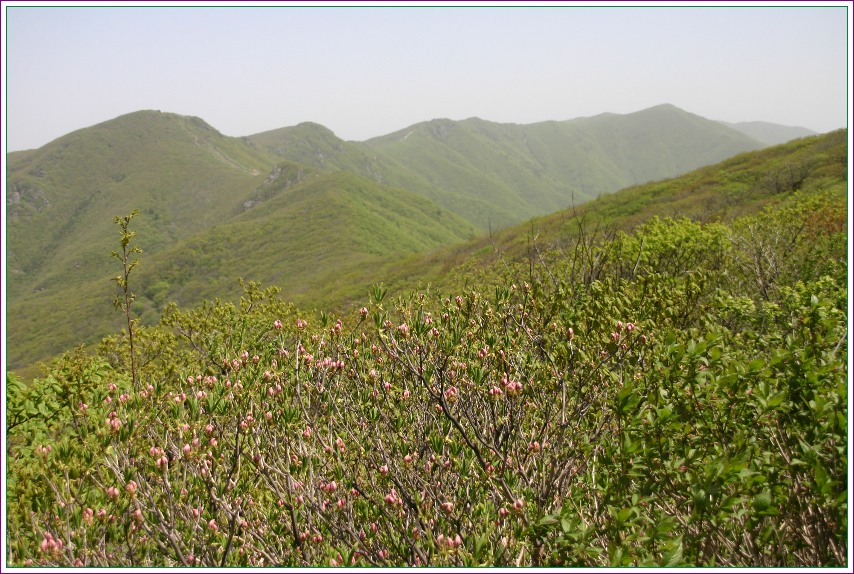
[{"x": 49, "y": 544}]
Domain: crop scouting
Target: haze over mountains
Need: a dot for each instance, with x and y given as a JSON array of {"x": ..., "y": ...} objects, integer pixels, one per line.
[{"x": 299, "y": 207}]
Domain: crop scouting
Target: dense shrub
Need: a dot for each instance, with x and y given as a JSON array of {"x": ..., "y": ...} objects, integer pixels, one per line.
[{"x": 646, "y": 400}]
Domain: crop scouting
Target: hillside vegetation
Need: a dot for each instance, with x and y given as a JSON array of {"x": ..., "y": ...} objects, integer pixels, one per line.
[
  {"x": 495, "y": 175},
  {"x": 331, "y": 258},
  {"x": 201, "y": 196},
  {"x": 658, "y": 378}
]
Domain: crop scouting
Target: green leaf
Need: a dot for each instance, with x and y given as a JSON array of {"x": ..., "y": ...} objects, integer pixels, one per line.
[{"x": 673, "y": 557}]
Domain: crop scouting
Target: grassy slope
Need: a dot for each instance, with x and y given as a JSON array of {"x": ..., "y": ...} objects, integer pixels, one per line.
[
  {"x": 522, "y": 171},
  {"x": 318, "y": 235},
  {"x": 319, "y": 240},
  {"x": 497, "y": 175},
  {"x": 181, "y": 173},
  {"x": 721, "y": 192},
  {"x": 770, "y": 134}
]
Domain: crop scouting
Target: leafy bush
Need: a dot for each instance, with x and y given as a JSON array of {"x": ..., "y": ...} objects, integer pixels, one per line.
[{"x": 632, "y": 402}]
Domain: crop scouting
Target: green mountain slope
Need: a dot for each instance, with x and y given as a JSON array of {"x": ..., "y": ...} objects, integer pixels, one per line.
[
  {"x": 320, "y": 240},
  {"x": 739, "y": 186},
  {"x": 319, "y": 235},
  {"x": 770, "y": 134},
  {"x": 324, "y": 225},
  {"x": 497, "y": 175},
  {"x": 61, "y": 199},
  {"x": 504, "y": 174}
]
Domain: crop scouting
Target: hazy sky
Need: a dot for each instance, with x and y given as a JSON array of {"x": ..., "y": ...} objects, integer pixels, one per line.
[{"x": 364, "y": 72}]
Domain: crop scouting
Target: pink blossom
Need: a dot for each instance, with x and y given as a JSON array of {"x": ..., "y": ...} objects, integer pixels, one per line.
[
  {"x": 363, "y": 312},
  {"x": 448, "y": 507},
  {"x": 213, "y": 525},
  {"x": 277, "y": 324},
  {"x": 113, "y": 492},
  {"x": 392, "y": 498},
  {"x": 131, "y": 487}
]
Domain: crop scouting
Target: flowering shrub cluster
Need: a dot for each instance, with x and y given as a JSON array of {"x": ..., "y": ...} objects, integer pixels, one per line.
[{"x": 622, "y": 406}]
